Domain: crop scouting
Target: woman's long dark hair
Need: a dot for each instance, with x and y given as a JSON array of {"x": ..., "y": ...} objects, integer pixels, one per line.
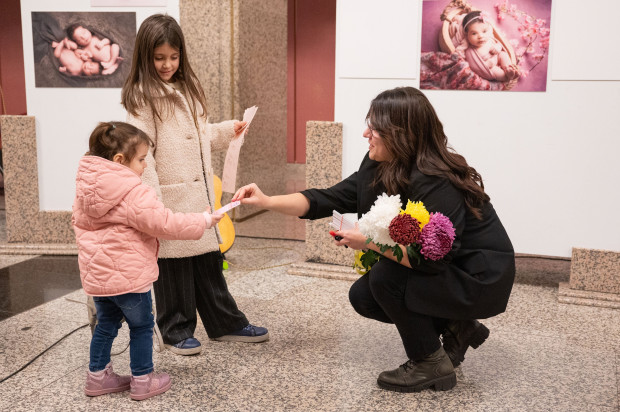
[
  {"x": 143, "y": 85},
  {"x": 413, "y": 135}
]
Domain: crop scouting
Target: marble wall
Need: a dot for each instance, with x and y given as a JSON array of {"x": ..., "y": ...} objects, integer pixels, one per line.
[
  {"x": 238, "y": 50},
  {"x": 324, "y": 169},
  {"x": 261, "y": 73},
  {"x": 594, "y": 279},
  {"x": 209, "y": 39},
  {"x": 37, "y": 231}
]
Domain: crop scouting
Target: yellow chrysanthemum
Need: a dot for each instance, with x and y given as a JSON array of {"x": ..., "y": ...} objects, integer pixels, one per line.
[
  {"x": 357, "y": 265},
  {"x": 417, "y": 211}
]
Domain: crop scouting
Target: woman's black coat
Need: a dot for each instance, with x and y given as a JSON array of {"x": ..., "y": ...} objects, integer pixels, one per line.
[{"x": 473, "y": 281}]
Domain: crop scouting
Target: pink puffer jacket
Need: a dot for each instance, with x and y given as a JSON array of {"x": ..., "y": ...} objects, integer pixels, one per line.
[{"x": 117, "y": 219}]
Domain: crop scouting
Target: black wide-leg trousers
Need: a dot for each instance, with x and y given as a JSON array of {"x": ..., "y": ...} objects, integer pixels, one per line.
[
  {"x": 194, "y": 283},
  {"x": 380, "y": 295}
]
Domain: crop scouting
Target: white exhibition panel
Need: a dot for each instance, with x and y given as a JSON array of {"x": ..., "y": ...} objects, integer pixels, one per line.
[
  {"x": 378, "y": 41},
  {"x": 548, "y": 160},
  {"x": 583, "y": 37},
  {"x": 65, "y": 117},
  {"x": 353, "y": 97}
]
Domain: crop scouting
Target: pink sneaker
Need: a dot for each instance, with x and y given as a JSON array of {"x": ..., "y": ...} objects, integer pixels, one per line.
[
  {"x": 145, "y": 386},
  {"x": 105, "y": 381}
]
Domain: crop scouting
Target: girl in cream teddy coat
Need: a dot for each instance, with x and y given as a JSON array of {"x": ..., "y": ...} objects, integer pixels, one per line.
[{"x": 163, "y": 97}]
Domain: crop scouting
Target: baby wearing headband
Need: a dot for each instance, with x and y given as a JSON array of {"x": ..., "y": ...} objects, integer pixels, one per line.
[{"x": 485, "y": 55}]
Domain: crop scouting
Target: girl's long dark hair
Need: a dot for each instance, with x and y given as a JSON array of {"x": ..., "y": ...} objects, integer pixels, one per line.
[
  {"x": 144, "y": 87},
  {"x": 413, "y": 135}
]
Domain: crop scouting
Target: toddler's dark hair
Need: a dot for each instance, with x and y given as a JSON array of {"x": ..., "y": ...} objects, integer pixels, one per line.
[{"x": 110, "y": 138}]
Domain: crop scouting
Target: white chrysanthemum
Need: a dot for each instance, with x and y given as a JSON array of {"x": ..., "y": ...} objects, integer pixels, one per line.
[{"x": 375, "y": 224}]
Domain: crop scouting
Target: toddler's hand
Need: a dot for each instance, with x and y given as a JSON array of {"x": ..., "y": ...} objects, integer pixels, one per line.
[
  {"x": 211, "y": 219},
  {"x": 215, "y": 219}
]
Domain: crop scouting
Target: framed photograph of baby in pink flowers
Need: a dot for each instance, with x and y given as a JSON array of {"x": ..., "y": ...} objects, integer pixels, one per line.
[{"x": 496, "y": 45}]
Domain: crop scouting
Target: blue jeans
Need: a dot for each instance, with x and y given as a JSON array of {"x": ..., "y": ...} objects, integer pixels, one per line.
[{"x": 136, "y": 308}]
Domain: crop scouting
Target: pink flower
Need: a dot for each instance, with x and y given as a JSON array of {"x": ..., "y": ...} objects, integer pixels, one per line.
[
  {"x": 484, "y": 17},
  {"x": 437, "y": 237},
  {"x": 405, "y": 229}
]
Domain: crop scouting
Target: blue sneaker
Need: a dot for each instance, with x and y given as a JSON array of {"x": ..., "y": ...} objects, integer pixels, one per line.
[
  {"x": 189, "y": 346},
  {"x": 249, "y": 334}
]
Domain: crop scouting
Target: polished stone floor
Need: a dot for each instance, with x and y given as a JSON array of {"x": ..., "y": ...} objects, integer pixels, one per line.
[{"x": 322, "y": 356}]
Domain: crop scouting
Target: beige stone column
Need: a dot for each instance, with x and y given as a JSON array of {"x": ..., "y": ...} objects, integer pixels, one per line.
[
  {"x": 238, "y": 50},
  {"x": 324, "y": 169},
  {"x": 594, "y": 279},
  {"x": 29, "y": 230}
]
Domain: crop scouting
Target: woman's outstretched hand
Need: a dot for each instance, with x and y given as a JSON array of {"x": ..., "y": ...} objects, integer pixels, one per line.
[{"x": 251, "y": 195}]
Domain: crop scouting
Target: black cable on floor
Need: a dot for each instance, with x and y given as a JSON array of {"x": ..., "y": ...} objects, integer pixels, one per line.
[{"x": 39, "y": 355}]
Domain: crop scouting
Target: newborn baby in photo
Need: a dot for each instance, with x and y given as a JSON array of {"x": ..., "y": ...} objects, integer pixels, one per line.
[
  {"x": 486, "y": 56},
  {"x": 99, "y": 50},
  {"x": 74, "y": 61}
]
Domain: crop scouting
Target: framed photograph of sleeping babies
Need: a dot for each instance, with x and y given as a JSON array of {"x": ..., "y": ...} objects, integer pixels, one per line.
[
  {"x": 485, "y": 45},
  {"x": 82, "y": 49}
]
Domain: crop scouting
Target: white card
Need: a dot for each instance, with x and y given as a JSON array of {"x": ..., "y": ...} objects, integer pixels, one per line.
[
  {"x": 226, "y": 208},
  {"x": 229, "y": 173},
  {"x": 340, "y": 222},
  {"x": 248, "y": 115}
]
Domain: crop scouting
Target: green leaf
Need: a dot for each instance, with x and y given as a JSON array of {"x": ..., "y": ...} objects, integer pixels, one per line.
[
  {"x": 413, "y": 252},
  {"x": 369, "y": 258},
  {"x": 398, "y": 253}
]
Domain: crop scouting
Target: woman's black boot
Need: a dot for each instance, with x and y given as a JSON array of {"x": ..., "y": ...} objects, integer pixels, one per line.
[
  {"x": 434, "y": 371},
  {"x": 459, "y": 335}
]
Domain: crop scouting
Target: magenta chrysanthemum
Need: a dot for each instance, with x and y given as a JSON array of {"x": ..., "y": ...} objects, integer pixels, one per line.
[
  {"x": 405, "y": 230},
  {"x": 437, "y": 237}
]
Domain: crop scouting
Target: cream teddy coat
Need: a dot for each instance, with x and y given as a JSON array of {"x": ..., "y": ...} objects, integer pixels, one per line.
[
  {"x": 117, "y": 220},
  {"x": 179, "y": 166}
]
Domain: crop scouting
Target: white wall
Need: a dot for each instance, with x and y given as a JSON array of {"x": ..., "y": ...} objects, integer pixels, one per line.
[
  {"x": 549, "y": 160},
  {"x": 66, "y": 117}
]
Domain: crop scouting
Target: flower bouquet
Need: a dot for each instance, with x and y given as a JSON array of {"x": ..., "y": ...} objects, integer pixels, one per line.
[{"x": 424, "y": 235}]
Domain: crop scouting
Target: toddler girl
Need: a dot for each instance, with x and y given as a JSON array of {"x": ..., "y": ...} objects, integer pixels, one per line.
[{"x": 117, "y": 220}]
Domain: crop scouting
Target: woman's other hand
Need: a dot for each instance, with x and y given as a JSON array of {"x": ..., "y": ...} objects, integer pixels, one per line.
[{"x": 350, "y": 238}]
